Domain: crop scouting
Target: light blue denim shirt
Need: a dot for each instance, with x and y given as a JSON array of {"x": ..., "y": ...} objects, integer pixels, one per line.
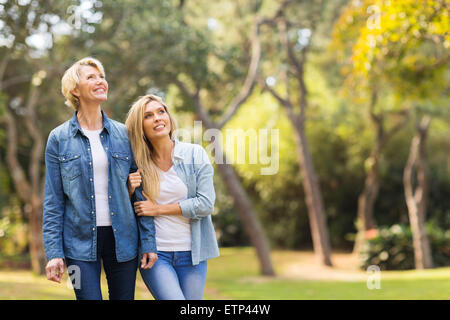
[
  {"x": 69, "y": 220},
  {"x": 192, "y": 165}
]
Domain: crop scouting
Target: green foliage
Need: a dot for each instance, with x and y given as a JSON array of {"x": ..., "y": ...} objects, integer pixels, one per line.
[
  {"x": 148, "y": 45},
  {"x": 401, "y": 44},
  {"x": 390, "y": 248}
]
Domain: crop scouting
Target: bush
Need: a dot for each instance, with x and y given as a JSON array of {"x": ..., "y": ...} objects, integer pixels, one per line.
[{"x": 392, "y": 248}]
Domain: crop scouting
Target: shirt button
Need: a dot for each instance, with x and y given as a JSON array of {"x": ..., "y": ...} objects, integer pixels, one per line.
[
  {"x": 101, "y": 137},
  {"x": 115, "y": 230},
  {"x": 92, "y": 212},
  {"x": 89, "y": 149},
  {"x": 109, "y": 197},
  {"x": 93, "y": 229},
  {"x": 90, "y": 163},
  {"x": 92, "y": 197},
  {"x": 112, "y": 213},
  {"x": 90, "y": 179}
]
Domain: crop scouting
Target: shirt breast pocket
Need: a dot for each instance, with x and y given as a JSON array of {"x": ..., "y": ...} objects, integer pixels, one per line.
[
  {"x": 122, "y": 163},
  {"x": 70, "y": 164}
]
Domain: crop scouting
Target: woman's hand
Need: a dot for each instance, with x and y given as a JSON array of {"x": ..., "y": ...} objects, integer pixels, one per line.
[
  {"x": 55, "y": 269},
  {"x": 148, "y": 260},
  {"x": 134, "y": 181},
  {"x": 146, "y": 208}
]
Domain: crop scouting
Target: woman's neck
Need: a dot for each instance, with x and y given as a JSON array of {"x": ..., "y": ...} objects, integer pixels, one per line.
[
  {"x": 162, "y": 151},
  {"x": 90, "y": 117}
]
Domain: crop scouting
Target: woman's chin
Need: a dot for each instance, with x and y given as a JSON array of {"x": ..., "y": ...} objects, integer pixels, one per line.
[
  {"x": 100, "y": 98},
  {"x": 159, "y": 134}
]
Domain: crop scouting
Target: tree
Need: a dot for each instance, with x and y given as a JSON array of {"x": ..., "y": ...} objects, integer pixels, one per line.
[
  {"x": 417, "y": 198},
  {"x": 294, "y": 59},
  {"x": 23, "y": 73},
  {"x": 400, "y": 47},
  {"x": 242, "y": 201}
]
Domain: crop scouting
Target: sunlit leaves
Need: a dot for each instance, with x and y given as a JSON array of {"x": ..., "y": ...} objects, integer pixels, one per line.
[{"x": 400, "y": 43}]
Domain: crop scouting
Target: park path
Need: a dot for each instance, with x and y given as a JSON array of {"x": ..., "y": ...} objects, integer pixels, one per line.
[{"x": 304, "y": 266}]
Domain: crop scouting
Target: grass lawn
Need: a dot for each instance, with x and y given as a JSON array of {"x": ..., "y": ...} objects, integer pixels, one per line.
[{"x": 235, "y": 275}]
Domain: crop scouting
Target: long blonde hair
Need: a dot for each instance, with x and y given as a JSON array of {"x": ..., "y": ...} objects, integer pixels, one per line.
[{"x": 142, "y": 147}]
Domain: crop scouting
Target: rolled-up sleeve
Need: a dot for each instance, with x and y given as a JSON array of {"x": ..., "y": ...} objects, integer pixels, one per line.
[
  {"x": 202, "y": 204},
  {"x": 53, "y": 208}
]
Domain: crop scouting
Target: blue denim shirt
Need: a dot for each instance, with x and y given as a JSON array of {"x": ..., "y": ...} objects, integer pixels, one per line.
[
  {"x": 69, "y": 221},
  {"x": 192, "y": 165}
]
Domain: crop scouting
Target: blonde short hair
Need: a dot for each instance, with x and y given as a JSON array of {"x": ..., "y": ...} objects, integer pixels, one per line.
[{"x": 71, "y": 78}]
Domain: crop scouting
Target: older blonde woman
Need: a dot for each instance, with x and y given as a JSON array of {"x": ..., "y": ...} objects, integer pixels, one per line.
[
  {"x": 177, "y": 179},
  {"x": 88, "y": 216}
]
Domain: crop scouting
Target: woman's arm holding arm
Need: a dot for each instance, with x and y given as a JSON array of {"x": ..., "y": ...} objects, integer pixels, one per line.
[
  {"x": 193, "y": 208},
  {"x": 146, "y": 225},
  {"x": 150, "y": 209}
]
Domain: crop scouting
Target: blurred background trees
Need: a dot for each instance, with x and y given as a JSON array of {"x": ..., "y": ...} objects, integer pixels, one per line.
[{"x": 369, "y": 73}]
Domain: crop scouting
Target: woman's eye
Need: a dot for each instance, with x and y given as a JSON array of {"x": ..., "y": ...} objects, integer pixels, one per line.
[{"x": 161, "y": 111}]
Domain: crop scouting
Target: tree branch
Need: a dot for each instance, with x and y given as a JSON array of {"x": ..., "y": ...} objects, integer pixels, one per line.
[{"x": 249, "y": 82}]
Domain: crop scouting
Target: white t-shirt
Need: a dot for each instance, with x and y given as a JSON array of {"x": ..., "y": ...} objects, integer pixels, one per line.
[
  {"x": 173, "y": 233},
  {"x": 100, "y": 166}
]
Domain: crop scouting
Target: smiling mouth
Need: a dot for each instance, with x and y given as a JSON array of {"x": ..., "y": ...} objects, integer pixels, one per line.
[
  {"x": 100, "y": 90},
  {"x": 159, "y": 127}
]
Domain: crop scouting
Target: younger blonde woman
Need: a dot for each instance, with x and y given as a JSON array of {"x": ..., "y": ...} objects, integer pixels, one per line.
[{"x": 177, "y": 183}]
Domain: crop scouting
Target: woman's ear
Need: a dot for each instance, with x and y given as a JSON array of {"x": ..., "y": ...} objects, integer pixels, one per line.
[{"x": 75, "y": 92}]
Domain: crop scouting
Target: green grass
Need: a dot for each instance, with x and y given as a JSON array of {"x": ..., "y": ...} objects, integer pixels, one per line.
[{"x": 235, "y": 275}]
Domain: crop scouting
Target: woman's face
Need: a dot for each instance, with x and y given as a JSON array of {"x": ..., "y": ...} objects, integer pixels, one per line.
[
  {"x": 156, "y": 121},
  {"x": 92, "y": 87}
]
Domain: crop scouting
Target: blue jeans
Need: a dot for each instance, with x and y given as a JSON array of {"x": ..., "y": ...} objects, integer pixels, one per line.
[
  {"x": 121, "y": 276},
  {"x": 173, "y": 277}
]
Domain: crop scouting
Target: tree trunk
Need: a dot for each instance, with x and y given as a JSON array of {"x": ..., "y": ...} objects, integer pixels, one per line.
[
  {"x": 38, "y": 260},
  {"x": 416, "y": 200},
  {"x": 313, "y": 194},
  {"x": 29, "y": 193},
  {"x": 248, "y": 217},
  {"x": 366, "y": 200},
  {"x": 244, "y": 206},
  {"x": 314, "y": 201}
]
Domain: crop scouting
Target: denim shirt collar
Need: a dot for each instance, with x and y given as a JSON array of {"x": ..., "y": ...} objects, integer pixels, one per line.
[{"x": 75, "y": 125}]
